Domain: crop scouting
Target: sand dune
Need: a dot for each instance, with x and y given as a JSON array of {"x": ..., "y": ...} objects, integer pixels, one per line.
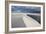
[{"x": 21, "y": 20}]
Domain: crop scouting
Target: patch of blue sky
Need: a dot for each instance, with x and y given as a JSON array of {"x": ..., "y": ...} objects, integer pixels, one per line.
[{"x": 25, "y": 9}]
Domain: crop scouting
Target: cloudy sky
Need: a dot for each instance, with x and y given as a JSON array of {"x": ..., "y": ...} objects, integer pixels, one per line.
[{"x": 25, "y": 9}]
